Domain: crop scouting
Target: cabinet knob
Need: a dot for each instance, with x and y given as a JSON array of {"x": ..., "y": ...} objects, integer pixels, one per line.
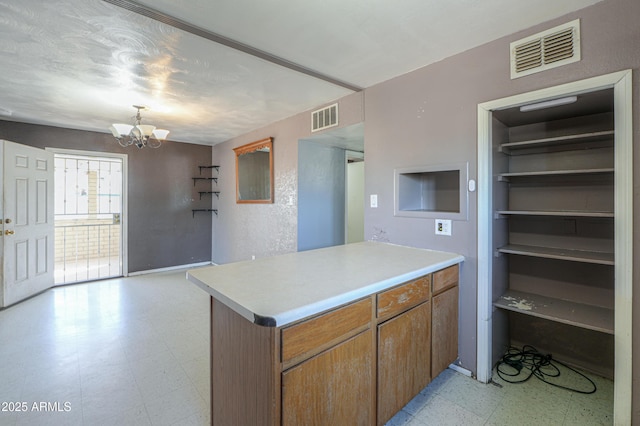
[{"x": 8, "y": 232}]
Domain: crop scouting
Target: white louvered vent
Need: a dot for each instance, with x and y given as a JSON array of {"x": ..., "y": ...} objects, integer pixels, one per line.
[
  {"x": 548, "y": 49},
  {"x": 324, "y": 118}
]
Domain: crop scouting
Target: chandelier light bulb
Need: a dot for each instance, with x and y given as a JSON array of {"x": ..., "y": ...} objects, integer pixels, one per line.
[{"x": 160, "y": 134}]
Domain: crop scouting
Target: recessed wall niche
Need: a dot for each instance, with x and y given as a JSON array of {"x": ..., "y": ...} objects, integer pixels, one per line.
[{"x": 432, "y": 191}]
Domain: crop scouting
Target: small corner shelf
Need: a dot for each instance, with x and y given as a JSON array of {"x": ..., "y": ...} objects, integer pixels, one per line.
[
  {"x": 208, "y": 192},
  {"x": 195, "y": 179},
  {"x": 217, "y": 168},
  {"x": 217, "y": 193},
  {"x": 577, "y": 314},
  {"x": 194, "y": 211}
]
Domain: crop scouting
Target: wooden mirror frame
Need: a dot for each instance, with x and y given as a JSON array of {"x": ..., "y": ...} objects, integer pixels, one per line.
[{"x": 248, "y": 149}]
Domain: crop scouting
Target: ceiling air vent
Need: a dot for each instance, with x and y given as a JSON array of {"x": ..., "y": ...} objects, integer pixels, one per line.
[
  {"x": 324, "y": 118},
  {"x": 548, "y": 49}
]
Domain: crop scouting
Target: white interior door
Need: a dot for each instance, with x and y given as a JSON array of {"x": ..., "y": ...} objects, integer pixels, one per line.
[{"x": 27, "y": 221}]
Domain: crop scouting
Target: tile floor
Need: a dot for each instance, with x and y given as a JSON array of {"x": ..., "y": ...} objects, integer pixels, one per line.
[
  {"x": 455, "y": 399},
  {"x": 122, "y": 351},
  {"x": 134, "y": 351}
]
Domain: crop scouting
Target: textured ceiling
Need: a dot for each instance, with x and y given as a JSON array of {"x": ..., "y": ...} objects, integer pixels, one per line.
[{"x": 83, "y": 63}]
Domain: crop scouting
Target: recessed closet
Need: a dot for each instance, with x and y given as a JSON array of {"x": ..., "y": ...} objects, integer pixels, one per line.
[
  {"x": 553, "y": 229},
  {"x": 555, "y": 226}
]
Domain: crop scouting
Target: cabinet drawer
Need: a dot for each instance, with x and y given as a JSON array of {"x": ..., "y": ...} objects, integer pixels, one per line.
[
  {"x": 312, "y": 336},
  {"x": 403, "y": 297},
  {"x": 445, "y": 278}
]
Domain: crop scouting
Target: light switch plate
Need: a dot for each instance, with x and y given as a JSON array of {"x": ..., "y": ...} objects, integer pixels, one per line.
[
  {"x": 374, "y": 201},
  {"x": 443, "y": 227}
]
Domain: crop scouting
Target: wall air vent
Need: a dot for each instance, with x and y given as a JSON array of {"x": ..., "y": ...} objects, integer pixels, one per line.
[
  {"x": 324, "y": 118},
  {"x": 548, "y": 49}
]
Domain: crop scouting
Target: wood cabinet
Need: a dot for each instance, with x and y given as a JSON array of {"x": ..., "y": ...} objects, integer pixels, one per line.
[
  {"x": 444, "y": 330},
  {"x": 309, "y": 337},
  {"x": 444, "y": 319},
  {"x": 404, "y": 359},
  {"x": 332, "y": 388},
  {"x": 328, "y": 365},
  {"x": 417, "y": 337},
  {"x": 357, "y": 364}
]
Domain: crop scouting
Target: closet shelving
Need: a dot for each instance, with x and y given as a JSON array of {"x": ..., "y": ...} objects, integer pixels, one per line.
[
  {"x": 602, "y": 258},
  {"x": 557, "y": 143},
  {"x": 563, "y": 213},
  {"x": 553, "y": 229},
  {"x": 582, "y": 172},
  {"x": 572, "y": 313}
]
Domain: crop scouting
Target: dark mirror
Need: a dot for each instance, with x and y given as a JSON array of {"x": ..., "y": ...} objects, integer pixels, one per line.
[{"x": 254, "y": 172}]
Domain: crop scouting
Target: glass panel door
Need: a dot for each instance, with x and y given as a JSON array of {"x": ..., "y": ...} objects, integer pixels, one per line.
[{"x": 88, "y": 218}]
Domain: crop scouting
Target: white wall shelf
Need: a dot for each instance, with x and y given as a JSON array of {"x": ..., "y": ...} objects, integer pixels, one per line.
[
  {"x": 601, "y": 258},
  {"x": 562, "y": 213},
  {"x": 567, "y": 312},
  {"x": 506, "y": 177},
  {"x": 559, "y": 142}
]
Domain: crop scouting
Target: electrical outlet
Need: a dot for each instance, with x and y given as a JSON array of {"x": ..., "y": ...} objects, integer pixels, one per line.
[
  {"x": 443, "y": 227},
  {"x": 374, "y": 201}
]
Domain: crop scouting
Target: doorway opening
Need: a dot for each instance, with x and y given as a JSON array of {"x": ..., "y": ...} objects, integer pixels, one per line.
[
  {"x": 331, "y": 188},
  {"x": 354, "y": 229},
  {"x": 553, "y": 208},
  {"x": 90, "y": 216}
]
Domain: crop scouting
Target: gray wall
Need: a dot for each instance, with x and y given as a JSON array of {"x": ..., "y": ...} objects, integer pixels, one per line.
[
  {"x": 162, "y": 231},
  {"x": 396, "y": 135},
  {"x": 244, "y": 230},
  {"x": 399, "y": 134},
  {"x": 321, "y": 196}
]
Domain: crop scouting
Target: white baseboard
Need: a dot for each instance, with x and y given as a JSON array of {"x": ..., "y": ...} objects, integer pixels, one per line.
[
  {"x": 460, "y": 370},
  {"x": 170, "y": 268}
]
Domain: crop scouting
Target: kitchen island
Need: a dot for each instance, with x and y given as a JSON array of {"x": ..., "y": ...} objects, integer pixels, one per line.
[{"x": 340, "y": 335}]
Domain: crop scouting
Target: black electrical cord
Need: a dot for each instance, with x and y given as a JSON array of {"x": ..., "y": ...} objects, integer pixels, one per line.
[{"x": 539, "y": 365}]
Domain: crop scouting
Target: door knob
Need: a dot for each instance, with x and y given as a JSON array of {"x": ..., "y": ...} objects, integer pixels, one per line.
[{"x": 7, "y": 232}]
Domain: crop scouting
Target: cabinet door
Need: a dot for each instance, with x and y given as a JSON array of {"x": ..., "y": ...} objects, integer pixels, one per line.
[
  {"x": 333, "y": 388},
  {"x": 444, "y": 346},
  {"x": 404, "y": 359}
]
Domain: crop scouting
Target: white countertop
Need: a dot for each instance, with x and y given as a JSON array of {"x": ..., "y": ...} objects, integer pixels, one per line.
[{"x": 275, "y": 291}]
